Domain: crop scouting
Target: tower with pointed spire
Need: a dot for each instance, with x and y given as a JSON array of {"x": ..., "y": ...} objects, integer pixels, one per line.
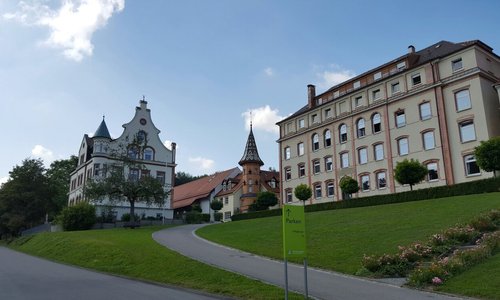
[{"x": 251, "y": 163}]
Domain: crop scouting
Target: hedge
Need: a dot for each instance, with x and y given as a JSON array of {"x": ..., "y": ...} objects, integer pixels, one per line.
[
  {"x": 195, "y": 217},
  {"x": 489, "y": 185}
]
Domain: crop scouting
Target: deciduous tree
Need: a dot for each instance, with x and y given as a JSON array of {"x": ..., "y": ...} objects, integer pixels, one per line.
[
  {"x": 303, "y": 192},
  {"x": 488, "y": 155},
  {"x": 410, "y": 172}
]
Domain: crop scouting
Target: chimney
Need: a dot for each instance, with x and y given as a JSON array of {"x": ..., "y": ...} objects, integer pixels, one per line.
[
  {"x": 311, "y": 94},
  {"x": 411, "y": 49}
]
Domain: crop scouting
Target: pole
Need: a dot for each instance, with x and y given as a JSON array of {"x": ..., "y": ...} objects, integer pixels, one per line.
[
  {"x": 286, "y": 280},
  {"x": 305, "y": 277}
]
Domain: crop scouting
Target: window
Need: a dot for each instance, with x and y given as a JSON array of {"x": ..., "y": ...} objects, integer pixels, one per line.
[
  {"x": 395, "y": 88},
  {"x": 289, "y": 127},
  {"x": 141, "y": 136},
  {"x": 365, "y": 183},
  {"x": 227, "y": 215},
  {"x": 97, "y": 169},
  {"x": 302, "y": 170},
  {"x": 344, "y": 160},
  {"x": 356, "y": 85},
  {"x": 316, "y": 166},
  {"x": 328, "y": 113},
  {"x": 315, "y": 118},
  {"x": 401, "y": 66},
  {"x": 315, "y": 142},
  {"x": 403, "y": 146},
  {"x": 381, "y": 182},
  {"x": 377, "y": 76},
  {"x": 376, "y": 125},
  {"x": 145, "y": 173},
  {"x": 133, "y": 175},
  {"x": 330, "y": 190},
  {"x": 148, "y": 154},
  {"x": 343, "y": 133},
  {"x": 317, "y": 191},
  {"x": 328, "y": 164},
  {"x": 319, "y": 101},
  {"x": 416, "y": 79},
  {"x": 160, "y": 176},
  {"x": 287, "y": 153},
  {"x": 289, "y": 195},
  {"x": 133, "y": 152},
  {"x": 328, "y": 138},
  {"x": 400, "y": 118},
  {"x": 301, "y": 123},
  {"x": 288, "y": 173},
  {"x": 376, "y": 94},
  {"x": 360, "y": 128},
  {"x": 432, "y": 169},
  {"x": 467, "y": 132},
  {"x": 471, "y": 167},
  {"x": 462, "y": 100},
  {"x": 425, "y": 111},
  {"x": 378, "y": 151},
  {"x": 362, "y": 156},
  {"x": 358, "y": 101},
  {"x": 456, "y": 65},
  {"x": 300, "y": 149},
  {"x": 428, "y": 138}
]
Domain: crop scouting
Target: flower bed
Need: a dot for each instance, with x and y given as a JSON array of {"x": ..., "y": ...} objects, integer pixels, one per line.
[{"x": 443, "y": 255}]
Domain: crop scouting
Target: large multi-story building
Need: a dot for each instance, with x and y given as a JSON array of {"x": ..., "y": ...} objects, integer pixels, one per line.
[
  {"x": 434, "y": 105},
  {"x": 140, "y": 142}
]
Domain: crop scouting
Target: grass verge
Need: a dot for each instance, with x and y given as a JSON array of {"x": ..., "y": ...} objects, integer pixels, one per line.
[
  {"x": 135, "y": 254},
  {"x": 480, "y": 281},
  {"x": 337, "y": 239}
]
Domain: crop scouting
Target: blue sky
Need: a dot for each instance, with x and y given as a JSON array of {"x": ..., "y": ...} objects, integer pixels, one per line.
[{"x": 202, "y": 65}]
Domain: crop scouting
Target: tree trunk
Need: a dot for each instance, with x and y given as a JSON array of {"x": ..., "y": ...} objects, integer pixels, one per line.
[
  {"x": 132, "y": 214},
  {"x": 411, "y": 187}
]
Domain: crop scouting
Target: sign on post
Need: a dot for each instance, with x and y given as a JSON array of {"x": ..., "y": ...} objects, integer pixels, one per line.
[{"x": 294, "y": 231}]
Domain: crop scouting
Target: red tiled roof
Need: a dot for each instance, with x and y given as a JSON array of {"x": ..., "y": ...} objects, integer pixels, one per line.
[{"x": 186, "y": 194}]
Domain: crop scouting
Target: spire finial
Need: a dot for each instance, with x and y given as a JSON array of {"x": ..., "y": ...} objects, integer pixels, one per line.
[
  {"x": 103, "y": 117},
  {"x": 251, "y": 120},
  {"x": 143, "y": 98}
]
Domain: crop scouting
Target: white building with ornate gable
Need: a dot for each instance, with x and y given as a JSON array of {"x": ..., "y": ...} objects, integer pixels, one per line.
[{"x": 96, "y": 156}]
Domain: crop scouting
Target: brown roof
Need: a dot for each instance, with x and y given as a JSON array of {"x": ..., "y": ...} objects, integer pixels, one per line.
[
  {"x": 186, "y": 194},
  {"x": 265, "y": 177}
]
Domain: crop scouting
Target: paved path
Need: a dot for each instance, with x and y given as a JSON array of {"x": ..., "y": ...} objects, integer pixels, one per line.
[
  {"x": 24, "y": 277},
  {"x": 321, "y": 284}
]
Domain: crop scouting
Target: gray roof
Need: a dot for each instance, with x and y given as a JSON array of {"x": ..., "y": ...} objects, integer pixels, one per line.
[
  {"x": 102, "y": 131},
  {"x": 251, "y": 155}
]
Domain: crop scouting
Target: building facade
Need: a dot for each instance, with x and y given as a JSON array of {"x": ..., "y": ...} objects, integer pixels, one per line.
[
  {"x": 140, "y": 142},
  {"x": 434, "y": 105}
]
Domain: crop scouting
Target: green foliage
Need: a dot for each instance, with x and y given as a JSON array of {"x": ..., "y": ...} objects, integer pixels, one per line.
[
  {"x": 302, "y": 192},
  {"x": 256, "y": 215},
  {"x": 349, "y": 185},
  {"x": 58, "y": 176},
  {"x": 24, "y": 198},
  {"x": 264, "y": 201},
  {"x": 410, "y": 172},
  {"x": 126, "y": 217},
  {"x": 195, "y": 217},
  {"x": 196, "y": 207},
  {"x": 488, "y": 154},
  {"x": 217, "y": 217},
  {"x": 183, "y": 177},
  {"x": 77, "y": 217},
  {"x": 216, "y": 205}
]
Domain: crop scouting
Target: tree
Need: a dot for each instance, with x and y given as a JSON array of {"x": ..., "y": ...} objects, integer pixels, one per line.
[
  {"x": 24, "y": 198},
  {"x": 410, "y": 172},
  {"x": 58, "y": 176},
  {"x": 488, "y": 155},
  {"x": 349, "y": 186},
  {"x": 303, "y": 192},
  {"x": 216, "y": 205},
  {"x": 264, "y": 201},
  {"x": 77, "y": 217},
  {"x": 122, "y": 183},
  {"x": 183, "y": 177}
]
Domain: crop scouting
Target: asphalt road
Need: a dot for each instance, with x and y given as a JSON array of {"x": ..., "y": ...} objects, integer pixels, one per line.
[
  {"x": 321, "y": 284},
  {"x": 24, "y": 277}
]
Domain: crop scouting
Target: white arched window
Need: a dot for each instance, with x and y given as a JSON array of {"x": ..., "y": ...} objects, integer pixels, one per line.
[
  {"x": 360, "y": 126},
  {"x": 376, "y": 123},
  {"x": 343, "y": 133}
]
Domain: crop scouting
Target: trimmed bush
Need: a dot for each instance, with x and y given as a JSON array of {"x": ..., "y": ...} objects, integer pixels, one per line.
[
  {"x": 217, "y": 217},
  {"x": 126, "y": 217},
  {"x": 77, "y": 217},
  {"x": 195, "y": 217}
]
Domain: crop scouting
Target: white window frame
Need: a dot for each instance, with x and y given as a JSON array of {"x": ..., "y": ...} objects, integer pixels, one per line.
[
  {"x": 378, "y": 151},
  {"x": 344, "y": 160},
  {"x": 300, "y": 149},
  {"x": 381, "y": 184},
  {"x": 363, "y": 179},
  {"x": 462, "y": 100},
  {"x": 432, "y": 166},
  {"x": 470, "y": 159},
  {"x": 457, "y": 64},
  {"x": 403, "y": 146},
  {"x": 429, "y": 140},
  {"x": 467, "y": 128},
  {"x": 427, "y": 106},
  {"x": 363, "y": 155}
]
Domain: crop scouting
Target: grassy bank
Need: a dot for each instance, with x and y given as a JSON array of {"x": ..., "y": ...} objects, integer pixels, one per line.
[
  {"x": 337, "y": 239},
  {"x": 135, "y": 254}
]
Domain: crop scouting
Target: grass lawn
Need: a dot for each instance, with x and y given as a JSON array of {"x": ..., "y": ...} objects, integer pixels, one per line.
[
  {"x": 481, "y": 281},
  {"x": 135, "y": 254},
  {"x": 337, "y": 239}
]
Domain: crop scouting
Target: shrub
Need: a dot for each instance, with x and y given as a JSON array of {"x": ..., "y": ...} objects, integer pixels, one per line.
[
  {"x": 387, "y": 265},
  {"x": 77, "y": 217},
  {"x": 422, "y": 276},
  {"x": 462, "y": 234},
  {"x": 195, "y": 217},
  {"x": 217, "y": 217},
  {"x": 126, "y": 217},
  {"x": 483, "y": 223}
]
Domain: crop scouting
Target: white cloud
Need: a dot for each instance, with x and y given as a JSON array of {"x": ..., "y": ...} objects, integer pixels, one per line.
[
  {"x": 263, "y": 118},
  {"x": 203, "y": 164},
  {"x": 168, "y": 144},
  {"x": 269, "y": 71},
  {"x": 334, "y": 76},
  {"x": 72, "y": 25},
  {"x": 45, "y": 154}
]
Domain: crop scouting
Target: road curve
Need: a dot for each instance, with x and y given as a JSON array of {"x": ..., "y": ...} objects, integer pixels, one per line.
[
  {"x": 321, "y": 284},
  {"x": 25, "y": 277}
]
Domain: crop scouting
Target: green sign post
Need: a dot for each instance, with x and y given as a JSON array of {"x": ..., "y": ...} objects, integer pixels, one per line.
[{"x": 294, "y": 239}]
